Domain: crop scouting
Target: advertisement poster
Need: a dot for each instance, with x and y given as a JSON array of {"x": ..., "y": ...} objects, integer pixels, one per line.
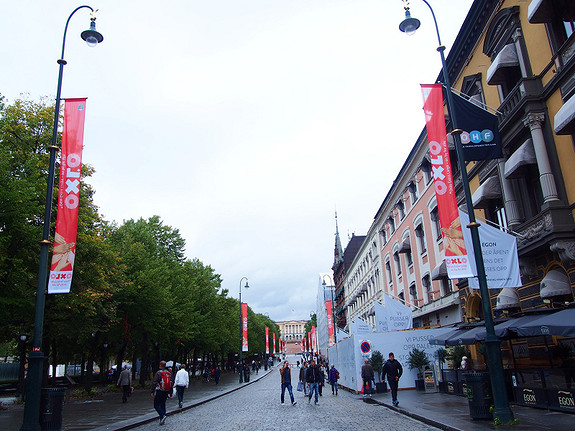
[
  {"x": 244, "y": 327},
  {"x": 330, "y": 331}
]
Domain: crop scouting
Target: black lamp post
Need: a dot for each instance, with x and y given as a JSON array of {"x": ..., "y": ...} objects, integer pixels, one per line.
[
  {"x": 22, "y": 368},
  {"x": 35, "y": 361},
  {"x": 241, "y": 365},
  {"x": 492, "y": 342}
]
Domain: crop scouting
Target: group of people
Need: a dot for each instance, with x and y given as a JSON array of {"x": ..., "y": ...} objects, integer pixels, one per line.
[
  {"x": 163, "y": 387},
  {"x": 311, "y": 380},
  {"x": 392, "y": 370}
]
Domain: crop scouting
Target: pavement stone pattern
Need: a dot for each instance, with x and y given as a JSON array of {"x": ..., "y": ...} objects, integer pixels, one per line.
[{"x": 257, "y": 407}]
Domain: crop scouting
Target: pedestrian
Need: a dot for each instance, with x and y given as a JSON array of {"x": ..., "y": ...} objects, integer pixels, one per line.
[
  {"x": 125, "y": 381},
  {"x": 302, "y": 371},
  {"x": 321, "y": 380},
  {"x": 285, "y": 373},
  {"x": 333, "y": 377},
  {"x": 368, "y": 377},
  {"x": 312, "y": 377},
  {"x": 393, "y": 370},
  {"x": 217, "y": 374},
  {"x": 161, "y": 390},
  {"x": 181, "y": 382},
  {"x": 246, "y": 372}
]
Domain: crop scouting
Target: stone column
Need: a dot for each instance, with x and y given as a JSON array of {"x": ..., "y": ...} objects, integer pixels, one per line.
[
  {"x": 533, "y": 121},
  {"x": 509, "y": 198}
]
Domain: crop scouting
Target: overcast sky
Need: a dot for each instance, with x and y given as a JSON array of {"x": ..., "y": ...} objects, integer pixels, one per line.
[{"x": 245, "y": 124}]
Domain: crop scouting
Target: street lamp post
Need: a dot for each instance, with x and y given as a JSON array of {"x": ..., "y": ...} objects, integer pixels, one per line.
[
  {"x": 492, "y": 342},
  {"x": 22, "y": 367},
  {"x": 31, "y": 420},
  {"x": 241, "y": 365}
]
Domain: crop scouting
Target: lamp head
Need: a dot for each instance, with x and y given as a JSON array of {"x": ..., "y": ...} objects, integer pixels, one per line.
[
  {"x": 246, "y": 286},
  {"x": 409, "y": 25},
  {"x": 92, "y": 36}
]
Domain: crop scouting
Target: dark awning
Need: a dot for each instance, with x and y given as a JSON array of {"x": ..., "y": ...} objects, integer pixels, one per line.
[
  {"x": 490, "y": 189},
  {"x": 560, "y": 323},
  {"x": 523, "y": 156},
  {"x": 440, "y": 271},
  {"x": 405, "y": 246},
  {"x": 564, "y": 120},
  {"x": 542, "y": 11}
]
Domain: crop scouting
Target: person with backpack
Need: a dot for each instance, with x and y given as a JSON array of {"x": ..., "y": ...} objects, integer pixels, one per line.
[{"x": 161, "y": 390}]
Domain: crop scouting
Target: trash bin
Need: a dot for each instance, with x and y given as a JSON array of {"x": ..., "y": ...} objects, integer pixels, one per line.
[
  {"x": 479, "y": 395},
  {"x": 51, "y": 405}
]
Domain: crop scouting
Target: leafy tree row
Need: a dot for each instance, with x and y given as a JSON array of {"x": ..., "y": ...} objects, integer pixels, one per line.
[{"x": 135, "y": 296}]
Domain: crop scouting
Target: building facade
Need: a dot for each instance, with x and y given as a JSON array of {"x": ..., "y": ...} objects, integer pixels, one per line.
[{"x": 291, "y": 330}]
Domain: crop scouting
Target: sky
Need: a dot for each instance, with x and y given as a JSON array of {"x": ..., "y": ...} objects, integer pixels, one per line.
[{"x": 245, "y": 124}]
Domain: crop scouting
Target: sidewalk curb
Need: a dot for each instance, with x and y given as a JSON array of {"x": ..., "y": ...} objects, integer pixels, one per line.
[
  {"x": 415, "y": 416},
  {"x": 153, "y": 417}
]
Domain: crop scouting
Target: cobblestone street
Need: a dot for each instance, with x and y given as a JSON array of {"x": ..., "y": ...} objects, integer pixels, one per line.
[{"x": 257, "y": 407}]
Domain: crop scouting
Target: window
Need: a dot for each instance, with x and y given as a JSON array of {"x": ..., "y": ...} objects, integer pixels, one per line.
[
  {"x": 473, "y": 89},
  {"x": 391, "y": 223},
  {"x": 560, "y": 26},
  {"x": 426, "y": 169},
  {"x": 401, "y": 297},
  {"x": 388, "y": 271},
  {"x": 397, "y": 263},
  {"x": 445, "y": 286},
  {"x": 427, "y": 287},
  {"x": 383, "y": 236},
  {"x": 408, "y": 256},
  {"x": 420, "y": 235},
  {"x": 434, "y": 215},
  {"x": 412, "y": 187},
  {"x": 401, "y": 209},
  {"x": 413, "y": 292}
]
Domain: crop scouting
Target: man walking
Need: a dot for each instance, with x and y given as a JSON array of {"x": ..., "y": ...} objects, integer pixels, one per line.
[
  {"x": 302, "y": 372},
  {"x": 333, "y": 376},
  {"x": 181, "y": 382},
  {"x": 125, "y": 381},
  {"x": 161, "y": 390},
  {"x": 393, "y": 370},
  {"x": 312, "y": 376},
  {"x": 368, "y": 377},
  {"x": 286, "y": 383}
]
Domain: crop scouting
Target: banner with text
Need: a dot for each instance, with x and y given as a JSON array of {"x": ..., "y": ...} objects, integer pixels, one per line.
[
  {"x": 456, "y": 258},
  {"x": 267, "y": 340},
  {"x": 499, "y": 250},
  {"x": 392, "y": 316},
  {"x": 274, "y": 343},
  {"x": 313, "y": 339},
  {"x": 64, "y": 251},
  {"x": 244, "y": 327},
  {"x": 330, "y": 331}
]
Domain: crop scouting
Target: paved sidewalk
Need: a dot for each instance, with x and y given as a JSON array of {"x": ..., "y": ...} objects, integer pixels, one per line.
[
  {"x": 451, "y": 413},
  {"x": 108, "y": 413}
]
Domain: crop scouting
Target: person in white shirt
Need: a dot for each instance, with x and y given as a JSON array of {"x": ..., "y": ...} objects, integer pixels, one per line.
[{"x": 181, "y": 382}]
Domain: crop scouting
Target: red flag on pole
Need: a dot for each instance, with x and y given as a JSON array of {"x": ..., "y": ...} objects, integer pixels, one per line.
[
  {"x": 244, "y": 327},
  {"x": 330, "y": 331},
  {"x": 456, "y": 259},
  {"x": 274, "y": 343},
  {"x": 267, "y": 340},
  {"x": 62, "y": 264}
]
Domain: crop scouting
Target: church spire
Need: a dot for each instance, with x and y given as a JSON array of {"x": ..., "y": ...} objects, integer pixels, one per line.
[{"x": 338, "y": 252}]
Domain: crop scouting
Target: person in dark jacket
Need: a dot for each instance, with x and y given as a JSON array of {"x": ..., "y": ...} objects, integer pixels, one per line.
[
  {"x": 333, "y": 376},
  {"x": 368, "y": 376},
  {"x": 285, "y": 372},
  {"x": 312, "y": 376},
  {"x": 393, "y": 370},
  {"x": 161, "y": 394},
  {"x": 302, "y": 371},
  {"x": 321, "y": 380},
  {"x": 125, "y": 381}
]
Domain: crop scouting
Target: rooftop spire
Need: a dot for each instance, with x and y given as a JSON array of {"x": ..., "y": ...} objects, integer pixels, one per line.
[{"x": 338, "y": 252}]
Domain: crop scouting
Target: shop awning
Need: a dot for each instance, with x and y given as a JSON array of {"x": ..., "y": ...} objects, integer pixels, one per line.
[
  {"x": 565, "y": 118},
  {"x": 459, "y": 336},
  {"x": 507, "y": 299},
  {"x": 542, "y": 11},
  {"x": 506, "y": 58},
  {"x": 490, "y": 189},
  {"x": 405, "y": 246},
  {"x": 523, "y": 156},
  {"x": 561, "y": 323},
  {"x": 440, "y": 271}
]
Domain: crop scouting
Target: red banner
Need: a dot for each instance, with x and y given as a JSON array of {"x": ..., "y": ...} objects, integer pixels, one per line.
[
  {"x": 313, "y": 341},
  {"x": 244, "y": 327},
  {"x": 62, "y": 264},
  {"x": 330, "y": 329},
  {"x": 274, "y": 343},
  {"x": 456, "y": 259},
  {"x": 267, "y": 340}
]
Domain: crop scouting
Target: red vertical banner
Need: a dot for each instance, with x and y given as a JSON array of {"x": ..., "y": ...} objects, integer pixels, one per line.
[
  {"x": 309, "y": 347},
  {"x": 456, "y": 259},
  {"x": 64, "y": 251},
  {"x": 274, "y": 343},
  {"x": 330, "y": 329},
  {"x": 244, "y": 327},
  {"x": 313, "y": 341},
  {"x": 267, "y": 340}
]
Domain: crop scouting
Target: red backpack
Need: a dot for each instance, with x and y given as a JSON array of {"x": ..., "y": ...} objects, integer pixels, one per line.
[{"x": 165, "y": 381}]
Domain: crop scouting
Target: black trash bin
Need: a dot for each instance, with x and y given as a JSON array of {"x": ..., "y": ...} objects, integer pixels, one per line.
[
  {"x": 51, "y": 405},
  {"x": 479, "y": 395}
]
